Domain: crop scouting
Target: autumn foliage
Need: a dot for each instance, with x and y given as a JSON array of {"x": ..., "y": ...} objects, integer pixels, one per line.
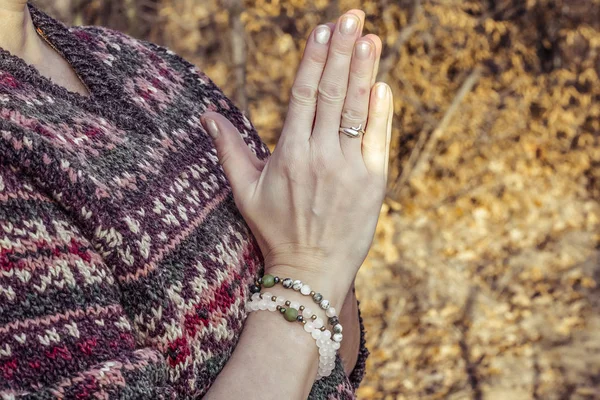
[{"x": 482, "y": 279}]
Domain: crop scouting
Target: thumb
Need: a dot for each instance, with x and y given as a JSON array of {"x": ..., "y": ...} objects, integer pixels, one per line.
[{"x": 238, "y": 161}]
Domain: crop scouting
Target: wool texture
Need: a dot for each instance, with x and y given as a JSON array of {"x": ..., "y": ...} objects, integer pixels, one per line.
[{"x": 125, "y": 265}]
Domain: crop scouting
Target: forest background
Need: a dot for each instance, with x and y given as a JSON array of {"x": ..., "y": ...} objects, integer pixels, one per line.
[{"x": 482, "y": 282}]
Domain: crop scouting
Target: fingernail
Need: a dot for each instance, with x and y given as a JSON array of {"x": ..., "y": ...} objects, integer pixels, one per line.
[
  {"x": 212, "y": 128},
  {"x": 322, "y": 34},
  {"x": 363, "y": 50},
  {"x": 381, "y": 91},
  {"x": 349, "y": 24}
]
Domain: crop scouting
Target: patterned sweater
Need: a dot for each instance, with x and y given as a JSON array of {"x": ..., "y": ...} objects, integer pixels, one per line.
[{"x": 124, "y": 263}]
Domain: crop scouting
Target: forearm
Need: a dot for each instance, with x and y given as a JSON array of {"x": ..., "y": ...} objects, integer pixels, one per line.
[{"x": 274, "y": 359}]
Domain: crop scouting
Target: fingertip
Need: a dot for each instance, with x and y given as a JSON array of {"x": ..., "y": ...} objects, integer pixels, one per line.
[
  {"x": 376, "y": 41},
  {"x": 382, "y": 90},
  {"x": 380, "y": 104},
  {"x": 209, "y": 122},
  {"x": 359, "y": 13},
  {"x": 322, "y": 34}
]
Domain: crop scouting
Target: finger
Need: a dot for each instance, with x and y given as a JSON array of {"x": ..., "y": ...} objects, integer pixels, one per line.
[
  {"x": 388, "y": 140},
  {"x": 378, "y": 46},
  {"x": 240, "y": 164},
  {"x": 356, "y": 105},
  {"x": 333, "y": 86},
  {"x": 374, "y": 141},
  {"x": 303, "y": 100}
]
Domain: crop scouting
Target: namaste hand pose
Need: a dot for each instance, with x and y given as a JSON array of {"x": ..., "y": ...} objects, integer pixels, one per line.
[{"x": 313, "y": 205}]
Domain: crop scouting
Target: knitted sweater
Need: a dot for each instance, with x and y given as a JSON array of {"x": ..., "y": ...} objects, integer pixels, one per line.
[{"x": 124, "y": 264}]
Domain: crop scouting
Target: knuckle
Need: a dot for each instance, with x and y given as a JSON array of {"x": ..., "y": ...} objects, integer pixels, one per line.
[
  {"x": 354, "y": 116},
  {"x": 331, "y": 92},
  {"x": 342, "y": 49},
  {"x": 363, "y": 90},
  {"x": 317, "y": 57},
  {"x": 224, "y": 157},
  {"x": 361, "y": 73},
  {"x": 304, "y": 95}
]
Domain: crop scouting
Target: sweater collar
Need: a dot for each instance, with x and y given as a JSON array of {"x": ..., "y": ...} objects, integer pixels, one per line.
[
  {"x": 107, "y": 96},
  {"x": 74, "y": 47}
]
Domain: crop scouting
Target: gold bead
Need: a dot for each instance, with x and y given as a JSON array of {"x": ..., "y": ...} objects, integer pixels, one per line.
[
  {"x": 301, "y": 308},
  {"x": 312, "y": 293},
  {"x": 322, "y": 329},
  {"x": 287, "y": 303},
  {"x": 273, "y": 298},
  {"x": 314, "y": 316},
  {"x": 303, "y": 322}
]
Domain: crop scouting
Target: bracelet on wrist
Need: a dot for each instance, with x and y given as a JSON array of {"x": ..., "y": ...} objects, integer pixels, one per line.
[{"x": 269, "y": 280}]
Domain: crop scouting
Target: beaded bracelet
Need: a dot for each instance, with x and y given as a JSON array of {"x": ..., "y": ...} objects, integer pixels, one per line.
[
  {"x": 327, "y": 348},
  {"x": 269, "y": 281}
]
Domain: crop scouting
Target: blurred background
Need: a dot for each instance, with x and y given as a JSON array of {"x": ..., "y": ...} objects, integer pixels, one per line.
[{"x": 482, "y": 279}]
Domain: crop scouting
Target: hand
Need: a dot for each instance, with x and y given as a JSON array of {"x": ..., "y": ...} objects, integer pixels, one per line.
[{"x": 314, "y": 204}]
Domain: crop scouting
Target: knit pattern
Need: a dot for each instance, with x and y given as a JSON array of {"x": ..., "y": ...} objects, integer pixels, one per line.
[{"x": 124, "y": 263}]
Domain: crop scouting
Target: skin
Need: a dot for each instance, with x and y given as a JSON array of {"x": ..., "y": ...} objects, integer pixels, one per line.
[{"x": 328, "y": 189}]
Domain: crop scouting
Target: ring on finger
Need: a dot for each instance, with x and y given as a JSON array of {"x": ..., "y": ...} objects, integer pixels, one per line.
[{"x": 352, "y": 132}]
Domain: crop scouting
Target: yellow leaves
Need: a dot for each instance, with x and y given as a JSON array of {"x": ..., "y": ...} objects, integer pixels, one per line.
[{"x": 285, "y": 43}]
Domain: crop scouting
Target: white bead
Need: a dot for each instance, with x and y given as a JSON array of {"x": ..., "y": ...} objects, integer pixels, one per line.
[
  {"x": 318, "y": 322},
  {"x": 256, "y": 297},
  {"x": 336, "y": 345},
  {"x": 337, "y": 337},
  {"x": 295, "y": 304},
  {"x": 280, "y": 300},
  {"x": 308, "y": 327},
  {"x": 272, "y": 306},
  {"x": 323, "y": 351},
  {"x": 297, "y": 285},
  {"x": 254, "y": 305},
  {"x": 262, "y": 305},
  {"x": 267, "y": 296},
  {"x": 316, "y": 333},
  {"x": 330, "y": 312},
  {"x": 307, "y": 312},
  {"x": 327, "y": 334},
  {"x": 305, "y": 290},
  {"x": 324, "y": 304}
]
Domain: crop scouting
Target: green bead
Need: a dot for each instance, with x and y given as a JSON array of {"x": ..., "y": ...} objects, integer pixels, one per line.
[
  {"x": 291, "y": 314},
  {"x": 268, "y": 281}
]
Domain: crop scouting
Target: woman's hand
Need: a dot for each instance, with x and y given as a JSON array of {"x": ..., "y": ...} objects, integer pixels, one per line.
[{"x": 314, "y": 204}]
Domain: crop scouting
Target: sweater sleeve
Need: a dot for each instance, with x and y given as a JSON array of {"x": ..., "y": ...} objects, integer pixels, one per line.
[
  {"x": 63, "y": 332},
  {"x": 358, "y": 373}
]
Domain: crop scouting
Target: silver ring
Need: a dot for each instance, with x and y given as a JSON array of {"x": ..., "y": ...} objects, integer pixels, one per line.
[{"x": 353, "y": 132}]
